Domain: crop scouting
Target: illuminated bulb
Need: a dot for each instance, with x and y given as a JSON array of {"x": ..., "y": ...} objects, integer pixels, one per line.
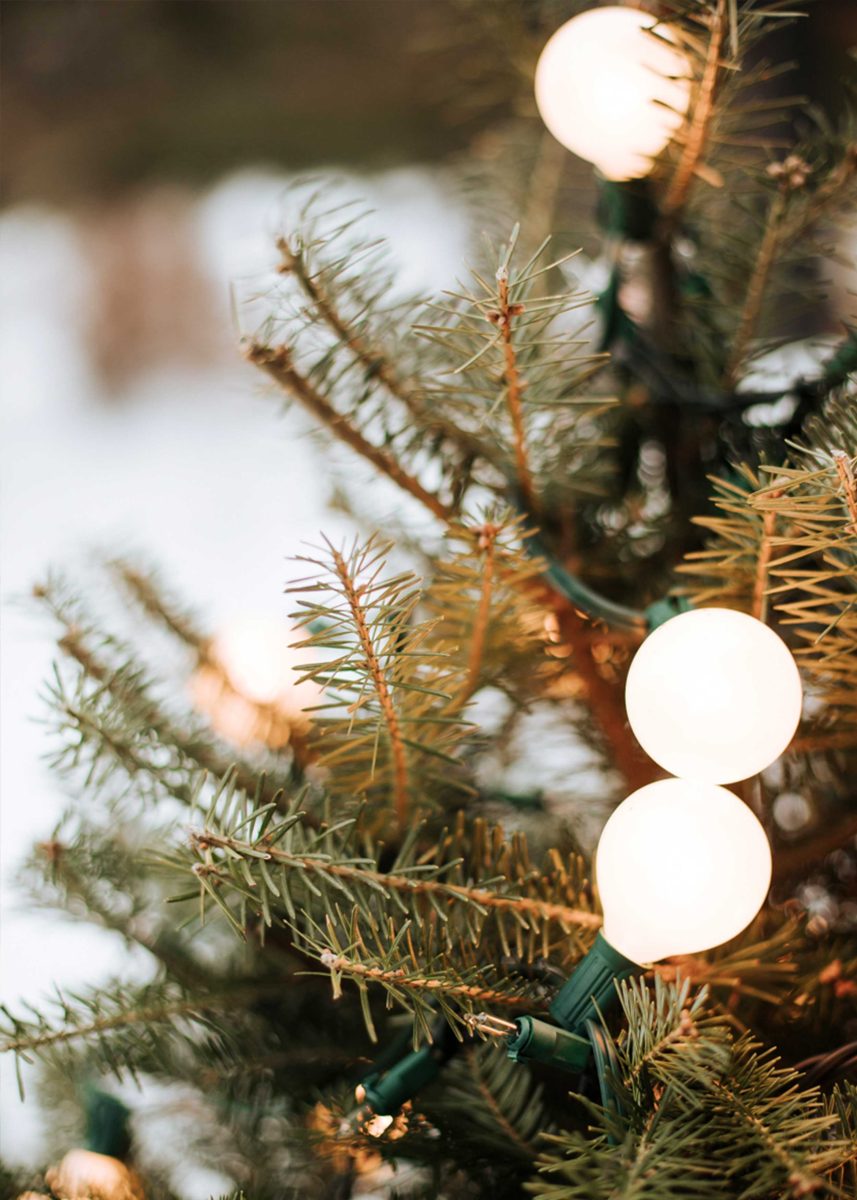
[
  {"x": 85, "y": 1175},
  {"x": 681, "y": 867},
  {"x": 602, "y": 84},
  {"x": 258, "y": 657},
  {"x": 263, "y": 700},
  {"x": 713, "y": 695}
]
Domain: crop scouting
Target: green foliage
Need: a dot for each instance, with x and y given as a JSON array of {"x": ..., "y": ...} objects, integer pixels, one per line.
[
  {"x": 355, "y": 858},
  {"x": 705, "y": 1114},
  {"x": 119, "y": 1025},
  {"x": 392, "y": 730},
  {"x": 788, "y": 539}
]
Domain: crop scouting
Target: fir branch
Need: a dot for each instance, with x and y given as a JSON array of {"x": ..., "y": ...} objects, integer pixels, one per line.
[
  {"x": 419, "y": 973},
  {"x": 372, "y": 357},
  {"x": 757, "y": 284},
  {"x": 488, "y": 544},
  {"x": 102, "y": 877},
  {"x": 505, "y": 319},
  {"x": 419, "y": 980},
  {"x": 348, "y": 581},
  {"x": 118, "y": 1025},
  {"x": 389, "y": 686},
  {"x": 278, "y": 362},
  {"x": 121, "y": 719},
  {"x": 378, "y": 882},
  {"x": 146, "y": 588},
  {"x": 759, "y": 607},
  {"x": 849, "y": 485}
]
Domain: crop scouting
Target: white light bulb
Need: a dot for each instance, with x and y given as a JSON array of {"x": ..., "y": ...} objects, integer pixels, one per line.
[
  {"x": 681, "y": 867},
  {"x": 261, "y": 663},
  {"x": 611, "y": 91},
  {"x": 713, "y": 695}
]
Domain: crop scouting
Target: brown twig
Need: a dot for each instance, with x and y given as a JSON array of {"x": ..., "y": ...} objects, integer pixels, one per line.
[
  {"x": 849, "y": 485},
  {"x": 488, "y": 543},
  {"x": 605, "y": 701},
  {"x": 791, "y": 860},
  {"x": 758, "y": 283},
  {"x": 697, "y": 133},
  {"x": 514, "y": 389},
  {"x": 339, "y": 964},
  {"x": 385, "y": 699},
  {"x": 759, "y": 607},
  {"x": 277, "y": 362}
]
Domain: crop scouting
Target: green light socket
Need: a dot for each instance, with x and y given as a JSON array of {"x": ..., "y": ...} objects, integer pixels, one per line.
[
  {"x": 591, "y": 990},
  {"x": 536, "y": 1041},
  {"x": 385, "y": 1094}
]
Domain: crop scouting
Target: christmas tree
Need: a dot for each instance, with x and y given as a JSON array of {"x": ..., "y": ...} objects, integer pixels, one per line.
[{"x": 360, "y": 848}]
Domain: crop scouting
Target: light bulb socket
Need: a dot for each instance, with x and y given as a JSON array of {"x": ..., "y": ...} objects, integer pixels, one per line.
[
  {"x": 387, "y": 1091},
  {"x": 591, "y": 989},
  {"x": 627, "y": 209},
  {"x": 536, "y": 1041}
]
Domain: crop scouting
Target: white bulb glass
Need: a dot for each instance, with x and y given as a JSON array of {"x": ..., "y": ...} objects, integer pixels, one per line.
[
  {"x": 681, "y": 867},
  {"x": 602, "y": 82},
  {"x": 713, "y": 695},
  {"x": 262, "y": 665}
]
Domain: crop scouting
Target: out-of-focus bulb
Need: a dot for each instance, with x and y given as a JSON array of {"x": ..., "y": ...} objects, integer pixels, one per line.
[
  {"x": 681, "y": 866},
  {"x": 261, "y": 663},
  {"x": 611, "y": 91},
  {"x": 713, "y": 695},
  {"x": 249, "y": 685}
]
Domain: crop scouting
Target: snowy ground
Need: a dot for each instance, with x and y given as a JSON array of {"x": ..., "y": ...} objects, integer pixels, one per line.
[{"x": 193, "y": 467}]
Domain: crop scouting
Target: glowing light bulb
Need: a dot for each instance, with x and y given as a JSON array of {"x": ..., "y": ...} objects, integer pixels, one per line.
[
  {"x": 261, "y": 663},
  {"x": 611, "y": 91},
  {"x": 250, "y": 685},
  {"x": 681, "y": 867},
  {"x": 713, "y": 695}
]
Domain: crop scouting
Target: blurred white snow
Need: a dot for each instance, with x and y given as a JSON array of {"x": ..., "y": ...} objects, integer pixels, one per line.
[{"x": 188, "y": 463}]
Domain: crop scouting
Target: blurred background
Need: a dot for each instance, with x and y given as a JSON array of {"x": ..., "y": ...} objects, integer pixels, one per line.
[{"x": 148, "y": 146}]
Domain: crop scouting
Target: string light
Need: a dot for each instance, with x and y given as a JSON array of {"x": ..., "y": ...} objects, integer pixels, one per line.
[
  {"x": 682, "y": 866},
  {"x": 713, "y": 695},
  {"x": 250, "y": 686},
  {"x": 612, "y": 87}
]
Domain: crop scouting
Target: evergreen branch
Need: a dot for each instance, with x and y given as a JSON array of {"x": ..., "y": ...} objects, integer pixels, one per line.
[
  {"x": 769, "y": 524},
  {"x": 386, "y": 883},
  {"x": 372, "y": 357},
  {"x": 277, "y": 361},
  {"x": 28, "y": 1036},
  {"x": 418, "y": 973},
  {"x": 120, "y": 1027},
  {"x": 491, "y": 607},
  {"x": 786, "y": 1131},
  {"x": 132, "y": 695},
  {"x": 491, "y": 1104},
  {"x": 488, "y": 543},
  {"x": 389, "y": 686},
  {"x": 471, "y": 995},
  {"x": 849, "y": 485},
  {"x": 385, "y": 700},
  {"x": 148, "y": 591},
  {"x": 488, "y": 1094},
  {"x": 757, "y": 284},
  {"x": 704, "y": 108},
  {"x": 505, "y": 317},
  {"x": 93, "y": 875}
]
